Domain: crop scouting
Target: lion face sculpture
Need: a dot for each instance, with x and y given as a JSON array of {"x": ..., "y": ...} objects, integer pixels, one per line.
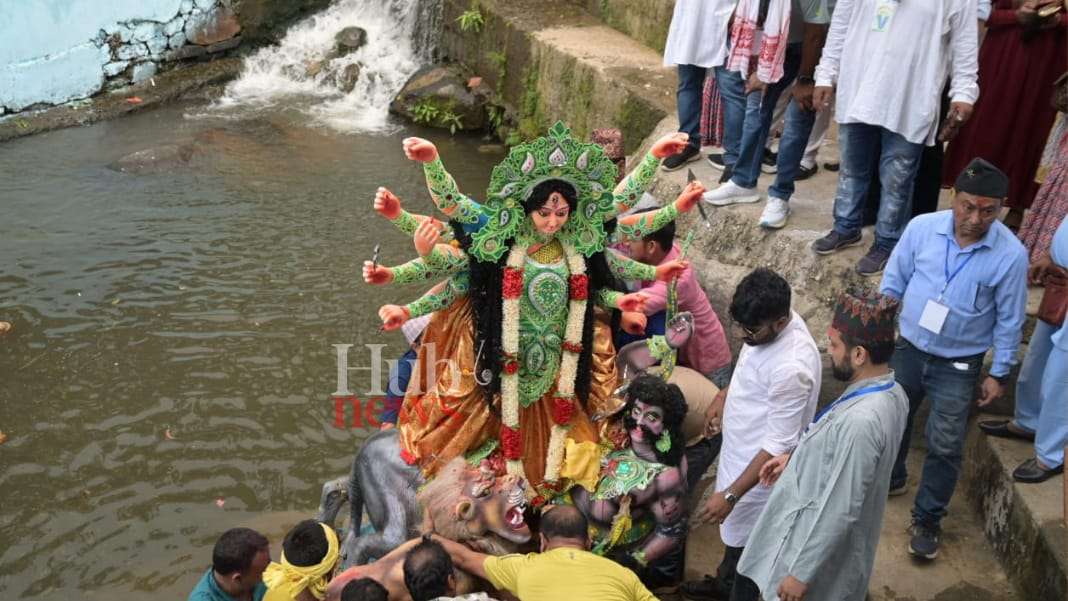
[{"x": 476, "y": 507}]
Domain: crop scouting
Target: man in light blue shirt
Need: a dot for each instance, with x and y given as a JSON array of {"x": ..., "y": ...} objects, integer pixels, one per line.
[
  {"x": 961, "y": 276},
  {"x": 237, "y": 563}
]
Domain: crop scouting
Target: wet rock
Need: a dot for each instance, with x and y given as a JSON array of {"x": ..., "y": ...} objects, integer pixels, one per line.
[
  {"x": 154, "y": 160},
  {"x": 210, "y": 28},
  {"x": 441, "y": 91},
  {"x": 349, "y": 40},
  {"x": 224, "y": 45},
  {"x": 345, "y": 80},
  {"x": 313, "y": 68},
  {"x": 266, "y": 20}
]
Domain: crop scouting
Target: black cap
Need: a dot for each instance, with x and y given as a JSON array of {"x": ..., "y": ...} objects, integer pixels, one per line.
[{"x": 982, "y": 178}]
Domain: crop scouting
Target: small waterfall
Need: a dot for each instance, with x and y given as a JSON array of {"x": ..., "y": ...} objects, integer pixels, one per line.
[{"x": 401, "y": 36}]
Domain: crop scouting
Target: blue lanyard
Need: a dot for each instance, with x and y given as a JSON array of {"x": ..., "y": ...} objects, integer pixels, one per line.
[
  {"x": 949, "y": 277},
  {"x": 852, "y": 395}
]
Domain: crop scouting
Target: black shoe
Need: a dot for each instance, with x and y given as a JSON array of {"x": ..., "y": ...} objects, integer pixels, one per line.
[
  {"x": 769, "y": 163},
  {"x": 728, "y": 173},
  {"x": 716, "y": 160},
  {"x": 925, "y": 540},
  {"x": 1001, "y": 429},
  {"x": 831, "y": 166},
  {"x": 874, "y": 262},
  {"x": 834, "y": 242},
  {"x": 676, "y": 161},
  {"x": 1031, "y": 472},
  {"x": 805, "y": 173},
  {"x": 705, "y": 589}
]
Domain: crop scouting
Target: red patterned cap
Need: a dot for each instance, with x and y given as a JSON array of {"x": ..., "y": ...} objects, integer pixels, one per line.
[{"x": 865, "y": 315}]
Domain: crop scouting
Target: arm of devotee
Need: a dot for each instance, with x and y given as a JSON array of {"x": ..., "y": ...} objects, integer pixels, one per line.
[
  {"x": 626, "y": 268},
  {"x": 440, "y": 296},
  {"x": 831, "y": 57},
  {"x": 900, "y": 266},
  {"x": 467, "y": 560},
  {"x": 964, "y": 55},
  {"x": 446, "y": 195},
  {"x": 840, "y": 505},
  {"x": 1010, "y": 298}
]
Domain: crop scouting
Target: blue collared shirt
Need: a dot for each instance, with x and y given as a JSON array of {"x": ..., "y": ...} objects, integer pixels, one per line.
[
  {"x": 987, "y": 299},
  {"x": 208, "y": 590},
  {"x": 1058, "y": 251}
]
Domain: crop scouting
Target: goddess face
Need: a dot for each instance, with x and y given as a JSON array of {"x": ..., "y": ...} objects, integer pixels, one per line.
[{"x": 550, "y": 217}]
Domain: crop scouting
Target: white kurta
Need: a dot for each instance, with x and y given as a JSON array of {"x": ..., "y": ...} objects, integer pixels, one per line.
[
  {"x": 772, "y": 397},
  {"x": 890, "y": 59},
  {"x": 824, "y": 516},
  {"x": 698, "y": 33}
]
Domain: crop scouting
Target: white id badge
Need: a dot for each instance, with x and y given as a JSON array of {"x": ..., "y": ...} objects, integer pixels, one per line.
[
  {"x": 884, "y": 13},
  {"x": 934, "y": 316}
]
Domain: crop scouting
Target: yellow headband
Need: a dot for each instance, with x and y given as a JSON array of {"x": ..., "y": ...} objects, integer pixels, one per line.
[{"x": 285, "y": 581}]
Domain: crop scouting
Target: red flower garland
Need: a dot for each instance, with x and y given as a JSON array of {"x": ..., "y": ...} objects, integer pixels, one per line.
[
  {"x": 511, "y": 443},
  {"x": 511, "y": 366},
  {"x": 572, "y": 347},
  {"x": 579, "y": 287},
  {"x": 512, "y": 285},
  {"x": 537, "y": 501},
  {"x": 563, "y": 409}
]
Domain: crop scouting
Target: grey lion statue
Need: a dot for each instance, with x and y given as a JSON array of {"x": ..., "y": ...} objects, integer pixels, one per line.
[{"x": 465, "y": 503}]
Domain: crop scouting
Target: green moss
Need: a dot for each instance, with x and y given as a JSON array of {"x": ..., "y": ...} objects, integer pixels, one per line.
[
  {"x": 636, "y": 120},
  {"x": 532, "y": 119}
]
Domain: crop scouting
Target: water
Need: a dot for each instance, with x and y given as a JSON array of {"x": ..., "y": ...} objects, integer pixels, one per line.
[{"x": 173, "y": 332}]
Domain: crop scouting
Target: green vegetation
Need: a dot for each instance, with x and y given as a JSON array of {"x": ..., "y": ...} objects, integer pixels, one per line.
[
  {"x": 471, "y": 19},
  {"x": 532, "y": 119},
  {"x": 452, "y": 121},
  {"x": 428, "y": 111},
  {"x": 425, "y": 112}
]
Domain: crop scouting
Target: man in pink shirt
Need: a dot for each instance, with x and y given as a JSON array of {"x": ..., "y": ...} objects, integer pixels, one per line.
[{"x": 707, "y": 351}]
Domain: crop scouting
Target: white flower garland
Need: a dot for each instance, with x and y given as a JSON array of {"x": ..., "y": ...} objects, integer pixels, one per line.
[{"x": 565, "y": 382}]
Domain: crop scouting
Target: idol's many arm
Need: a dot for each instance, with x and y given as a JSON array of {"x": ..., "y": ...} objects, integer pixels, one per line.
[
  {"x": 628, "y": 269},
  {"x": 417, "y": 270},
  {"x": 640, "y": 225},
  {"x": 630, "y": 190},
  {"x": 446, "y": 194},
  {"x": 444, "y": 258},
  {"x": 441, "y": 296},
  {"x": 608, "y": 298}
]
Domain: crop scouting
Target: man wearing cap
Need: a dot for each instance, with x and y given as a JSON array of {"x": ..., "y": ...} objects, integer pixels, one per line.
[
  {"x": 817, "y": 536},
  {"x": 961, "y": 276}
]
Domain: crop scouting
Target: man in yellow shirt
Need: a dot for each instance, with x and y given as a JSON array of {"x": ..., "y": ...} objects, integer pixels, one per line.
[{"x": 564, "y": 569}]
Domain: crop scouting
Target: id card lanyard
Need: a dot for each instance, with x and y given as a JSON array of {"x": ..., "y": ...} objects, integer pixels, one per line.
[
  {"x": 852, "y": 395},
  {"x": 950, "y": 276}
]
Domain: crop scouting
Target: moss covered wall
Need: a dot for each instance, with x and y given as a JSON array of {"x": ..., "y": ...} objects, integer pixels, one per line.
[{"x": 644, "y": 20}]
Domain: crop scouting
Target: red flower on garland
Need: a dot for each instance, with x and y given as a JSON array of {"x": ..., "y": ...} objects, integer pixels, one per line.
[
  {"x": 562, "y": 410},
  {"x": 579, "y": 287},
  {"x": 572, "y": 347},
  {"x": 408, "y": 457},
  {"x": 510, "y": 443},
  {"x": 512, "y": 285},
  {"x": 537, "y": 501},
  {"x": 510, "y": 363}
]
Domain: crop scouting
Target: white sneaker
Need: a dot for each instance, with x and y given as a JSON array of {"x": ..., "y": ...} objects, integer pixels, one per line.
[
  {"x": 775, "y": 213},
  {"x": 730, "y": 193}
]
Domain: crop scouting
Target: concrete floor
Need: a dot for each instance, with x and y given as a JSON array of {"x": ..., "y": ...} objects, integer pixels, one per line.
[{"x": 965, "y": 570}]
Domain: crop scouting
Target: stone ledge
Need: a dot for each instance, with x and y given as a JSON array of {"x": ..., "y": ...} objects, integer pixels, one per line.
[
  {"x": 644, "y": 20},
  {"x": 1024, "y": 523}
]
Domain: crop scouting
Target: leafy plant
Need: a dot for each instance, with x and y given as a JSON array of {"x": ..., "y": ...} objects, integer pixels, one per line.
[
  {"x": 425, "y": 112},
  {"x": 496, "y": 115},
  {"x": 471, "y": 19},
  {"x": 452, "y": 120}
]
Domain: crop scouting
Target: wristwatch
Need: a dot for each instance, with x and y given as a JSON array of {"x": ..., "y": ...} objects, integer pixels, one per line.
[
  {"x": 805, "y": 80},
  {"x": 729, "y": 496}
]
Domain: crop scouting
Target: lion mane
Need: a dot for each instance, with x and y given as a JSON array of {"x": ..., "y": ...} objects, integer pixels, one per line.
[{"x": 439, "y": 499}]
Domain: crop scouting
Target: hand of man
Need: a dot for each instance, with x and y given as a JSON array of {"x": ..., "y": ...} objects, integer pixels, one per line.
[
  {"x": 387, "y": 204},
  {"x": 689, "y": 197},
  {"x": 959, "y": 113},
  {"x": 714, "y": 415},
  {"x": 426, "y": 236},
  {"x": 773, "y": 468},
  {"x": 792, "y": 589},
  {"x": 633, "y": 323},
  {"x": 666, "y": 271},
  {"x": 753, "y": 84},
  {"x": 1036, "y": 271},
  {"x": 804, "y": 95},
  {"x": 670, "y": 145},
  {"x": 990, "y": 391},
  {"x": 418, "y": 149},
  {"x": 715, "y": 510},
  {"x": 822, "y": 97}
]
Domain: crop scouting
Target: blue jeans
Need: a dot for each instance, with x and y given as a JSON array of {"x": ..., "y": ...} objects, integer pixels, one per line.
[
  {"x": 795, "y": 134},
  {"x": 688, "y": 98},
  {"x": 950, "y": 384},
  {"x": 898, "y": 161},
  {"x": 747, "y": 118},
  {"x": 1040, "y": 387}
]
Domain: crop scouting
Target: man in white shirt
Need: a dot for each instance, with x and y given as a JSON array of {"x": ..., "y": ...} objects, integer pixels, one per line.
[
  {"x": 696, "y": 42},
  {"x": 771, "y": 398},
  {"x": 890, "y": 60}
]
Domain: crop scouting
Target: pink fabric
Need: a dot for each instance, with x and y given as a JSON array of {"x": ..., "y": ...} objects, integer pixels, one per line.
[
  {"x": 1050, "y": 204},
  {"x": 770, "y": 50},
  {"x": 711, "y": 112},
  {"x": 707, "y": 351}
]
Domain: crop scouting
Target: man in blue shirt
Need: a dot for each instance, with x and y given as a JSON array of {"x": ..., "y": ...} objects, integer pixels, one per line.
[
  {"x": 236, "y": 572},
  {"x": 961, "y": 276}
]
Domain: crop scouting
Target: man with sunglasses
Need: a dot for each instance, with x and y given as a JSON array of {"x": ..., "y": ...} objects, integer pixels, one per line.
[{"x": 771, "y": 398}]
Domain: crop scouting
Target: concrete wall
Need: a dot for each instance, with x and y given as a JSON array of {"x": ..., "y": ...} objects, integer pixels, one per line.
[
  {"x": 644, "y": 20},
  {"x": 54, "y": 51}
]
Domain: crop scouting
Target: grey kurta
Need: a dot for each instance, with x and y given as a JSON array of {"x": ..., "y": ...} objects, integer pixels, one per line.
[{"x": 821, "y": 523}]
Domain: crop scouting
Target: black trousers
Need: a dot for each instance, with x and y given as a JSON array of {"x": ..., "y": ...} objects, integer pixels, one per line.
[{"x": 741, "y": 587}]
